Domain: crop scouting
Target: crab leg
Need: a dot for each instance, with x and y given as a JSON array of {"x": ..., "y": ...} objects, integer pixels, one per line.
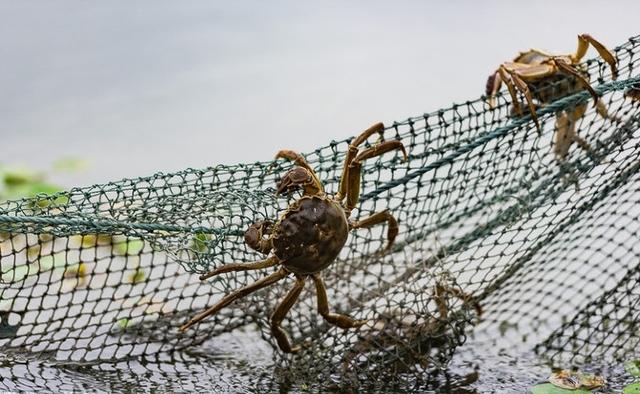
[
  {"x": 377, "y": 218},
  {"x": 443, "y": 309},
  {"x": 522, "y": 86},
  {"x": 504, "y": 74},
  {"x": 241, "y": 292},
  {"x": 342, "y": 321},
  {"x": 299, "y": 160},
  {"x": 353, "y": 187},
  {"x": 568, "y": 69},
  {"x": 281, "y": 311},
  {"x": 494, "y": 83},
  {"x": 231, "y": 267},
  {"x": 583, "y": 44},
  {"x": 351, "y": 154},
  {"x": 254, "y": 236}
]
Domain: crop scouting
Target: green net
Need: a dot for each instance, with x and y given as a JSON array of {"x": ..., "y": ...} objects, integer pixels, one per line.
[{"x": 485, "y": 208}]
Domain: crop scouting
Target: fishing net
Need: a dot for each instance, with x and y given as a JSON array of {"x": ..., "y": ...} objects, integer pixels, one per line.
[{"x": 495, "y": 229}]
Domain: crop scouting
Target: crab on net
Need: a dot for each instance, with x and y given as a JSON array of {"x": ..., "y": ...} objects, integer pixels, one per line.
[{"x": 474, "y": 228}]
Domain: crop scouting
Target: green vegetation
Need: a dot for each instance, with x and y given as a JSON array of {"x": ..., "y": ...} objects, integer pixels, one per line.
[{"x": 17, "y": 182}]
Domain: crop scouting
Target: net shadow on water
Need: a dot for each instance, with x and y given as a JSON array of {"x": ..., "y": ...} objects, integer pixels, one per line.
[{"x": 95, "y": 281}]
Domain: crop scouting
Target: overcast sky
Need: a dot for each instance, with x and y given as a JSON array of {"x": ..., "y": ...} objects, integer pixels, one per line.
[{"x": 142, "y": 87}]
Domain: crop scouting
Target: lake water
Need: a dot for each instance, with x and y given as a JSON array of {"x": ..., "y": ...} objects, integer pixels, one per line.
[{"x": 147, "y": 87}]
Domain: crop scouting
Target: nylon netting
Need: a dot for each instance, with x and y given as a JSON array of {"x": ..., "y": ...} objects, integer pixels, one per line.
[{"x": 109, "y": 271}]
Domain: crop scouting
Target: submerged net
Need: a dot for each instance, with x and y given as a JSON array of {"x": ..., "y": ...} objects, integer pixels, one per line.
[{"x": 486, "y": 210}]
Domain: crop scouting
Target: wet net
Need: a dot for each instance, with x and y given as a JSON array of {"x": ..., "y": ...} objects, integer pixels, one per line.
[{"x": 495, "y": 229}]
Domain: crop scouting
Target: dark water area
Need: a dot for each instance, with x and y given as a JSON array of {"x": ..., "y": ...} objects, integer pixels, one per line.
[{"x": 240, "y": 362}]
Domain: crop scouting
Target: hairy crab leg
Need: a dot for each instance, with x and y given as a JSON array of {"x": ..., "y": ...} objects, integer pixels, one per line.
[
  {"x": 231, "y": 267},
  {"x": 241, "y": 292},
  {"x": 281, "y": 311},
  {"x": 342, "y": 321},
  {"x": 570, "y": 70},
  {"x": 494, "y": 83},
  {"x": 299, "y": 160},
  {"x": 524, "y": 88},
  {"x": 504, "y": 75},
  {"x": 443, "y": 309},
  {"x": 353, "y": 190},
  {"x": 377, "y": 218},
  {"x": 583, "y": 44},
  {"x": 351, "y": 154}
]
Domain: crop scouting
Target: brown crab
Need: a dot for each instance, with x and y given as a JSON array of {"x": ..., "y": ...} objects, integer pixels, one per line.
[
  {"x": 542, "y": 78},
  {"x": 413, "y": 336},
  {"x": 308, "y": 236}
]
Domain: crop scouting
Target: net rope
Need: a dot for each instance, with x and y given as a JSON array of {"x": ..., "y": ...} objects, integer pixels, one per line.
[{"x": 110, "y": 271}]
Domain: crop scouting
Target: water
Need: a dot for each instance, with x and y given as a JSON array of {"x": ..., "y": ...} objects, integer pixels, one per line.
[
  {"x": 138, "y": 89},
  {"x": 242, "y": 363}
]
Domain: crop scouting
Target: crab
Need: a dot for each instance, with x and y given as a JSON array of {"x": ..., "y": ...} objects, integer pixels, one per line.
[
  {"x": 573, "y": 380},
  {"x": 543, "y": 78},
  {"x": 308, "y": 236},
  {"x": 413, "y": 335}
]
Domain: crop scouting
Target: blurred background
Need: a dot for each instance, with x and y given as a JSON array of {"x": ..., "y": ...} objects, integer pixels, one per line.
[{"x": 129, "y": 89}]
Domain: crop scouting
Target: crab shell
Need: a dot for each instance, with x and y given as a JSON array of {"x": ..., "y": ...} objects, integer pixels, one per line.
[{"x": 310, "y": 234}]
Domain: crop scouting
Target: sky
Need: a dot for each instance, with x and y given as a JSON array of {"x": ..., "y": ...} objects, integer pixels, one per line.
[{"x": 137, "y": 88}]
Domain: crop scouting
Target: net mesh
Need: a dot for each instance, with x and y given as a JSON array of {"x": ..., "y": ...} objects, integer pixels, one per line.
[{"x": 486, "y": 210}]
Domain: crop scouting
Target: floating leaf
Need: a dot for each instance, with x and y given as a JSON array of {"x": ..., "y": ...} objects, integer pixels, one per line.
[
  {"x": 130, "y": 247},
  {"x": 70, "y": 164},
  {"x": 124, "y": 323},
  {"x": 200, "y": 242},
  {"x": 633, "y": 388},
  {"x": 49, "y": 262},
  {"x": 76, "y": 271},
  {"x": 33, "y": 252},
  {"x": 17, "y": 177},
  {"x": 633, "y": 367},
  {"x": 548, "y": 388},
  {"x": 137, "y": 276},
  {"x": 44, "y": 263},
  {"x": 91, "y": 240}
]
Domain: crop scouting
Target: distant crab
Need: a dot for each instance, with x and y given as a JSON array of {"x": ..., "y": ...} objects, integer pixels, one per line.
[
  {"x": 543, "y": 78},
  {"x": 308, "y": 236}
]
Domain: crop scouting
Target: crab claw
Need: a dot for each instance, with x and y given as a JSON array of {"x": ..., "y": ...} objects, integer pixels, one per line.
[
  {"x": 494, "y": 82},
  {"x": 254, "y": 237},
  {"x": 297, "y": 178}
]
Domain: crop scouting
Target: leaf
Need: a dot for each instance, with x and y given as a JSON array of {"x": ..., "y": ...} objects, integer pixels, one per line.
[
  {"x": 633, "y": 367},
  {"x": 633, "y": 388},
  {"x": 548, "y": 388},
  {"x": 92, "y": 240},
  {"x": 137, "y": 276},
  {"x": 200, "y": 242},
  {"x": 76, "y": 271},
  {"x": 44, "y": 263},
  {"x": 70, "y": 164},
  {"x": 124, "y": 323},
  {"x": 130, "y": 247},
  {"x": 17, "y": 177}
]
